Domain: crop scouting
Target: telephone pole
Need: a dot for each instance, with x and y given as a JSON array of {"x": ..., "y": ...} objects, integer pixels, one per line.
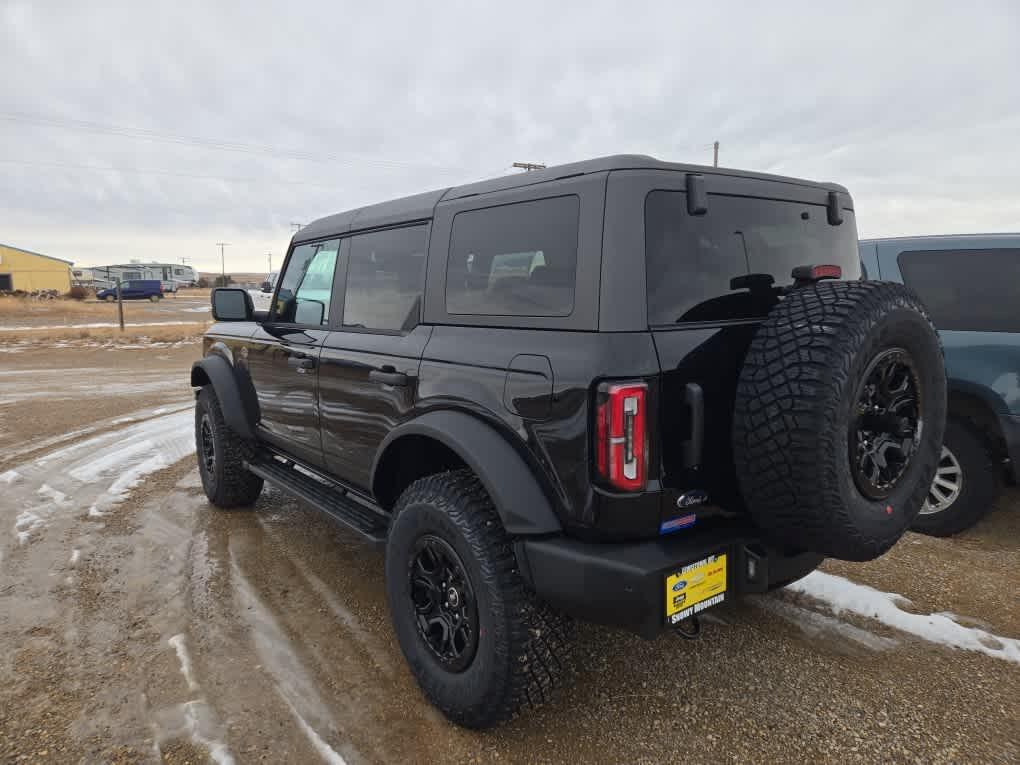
[
  {"x": 715, "y": 154},
  {"x": 270, "y": 256},
  {"x": 295, "y": 227},
  {"x": 223, "y": 263},
  {"x": 529, "y": 166}
]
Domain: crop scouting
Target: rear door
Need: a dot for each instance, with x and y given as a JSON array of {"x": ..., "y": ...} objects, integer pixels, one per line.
[
  {"x": 708, "y": 287},
  {"x": 283, "y": 354},
  {"x": 368, "y": 373}
]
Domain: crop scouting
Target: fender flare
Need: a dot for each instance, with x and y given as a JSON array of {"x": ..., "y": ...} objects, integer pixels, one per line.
[
  {"x": 523, "y": 507},
  {"x": 233, "y": 390}
]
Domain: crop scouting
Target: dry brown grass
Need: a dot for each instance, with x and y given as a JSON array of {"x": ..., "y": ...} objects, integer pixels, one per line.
[
  {"x": 18, "y": 310},
  {"x": 194, "y": 292},
  {"x": 163, "y": 334}
]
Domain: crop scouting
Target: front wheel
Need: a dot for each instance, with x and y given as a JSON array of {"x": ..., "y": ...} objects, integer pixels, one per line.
[
  {"x": 111, "y": 299},
  {"x": 965, "y": 486},
  {"x": 479, "y": 643},
  {"x": 221, "y": 454}
]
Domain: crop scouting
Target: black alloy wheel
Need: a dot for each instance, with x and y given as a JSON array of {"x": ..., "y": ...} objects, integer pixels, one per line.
[
  {"x": 444, "y": 604},
  {"x": 207, "y": 445},
  {"x": 887, "y": 423}
]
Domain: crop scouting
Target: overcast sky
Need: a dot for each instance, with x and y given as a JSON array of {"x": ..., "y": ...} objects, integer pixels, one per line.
[{"x": 129, "y": 131}]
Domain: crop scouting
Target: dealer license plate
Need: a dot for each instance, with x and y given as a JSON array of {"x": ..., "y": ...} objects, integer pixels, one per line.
[{"x": 695, "y": 587}]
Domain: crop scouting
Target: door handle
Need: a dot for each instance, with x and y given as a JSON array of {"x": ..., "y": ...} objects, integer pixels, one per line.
[
  {"x": 301, "y": 361},
  {"x": 388, "y": 375}
]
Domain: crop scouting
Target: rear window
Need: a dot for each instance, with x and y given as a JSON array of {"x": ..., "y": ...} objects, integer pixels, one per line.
[
  {"x": 514, "y": 260},
  {"x": 691, "y": 259},
  {"x": 966, "y": 289}
]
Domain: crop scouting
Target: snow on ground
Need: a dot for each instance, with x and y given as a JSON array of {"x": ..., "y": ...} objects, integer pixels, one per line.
[
  {"x": 95, "y": 325},
  {"x": 843, "y": 595},
  {"x": 177, "y": 641},
  {"x": 57, "y": 384},
  {"x": 95, "y": 473}
]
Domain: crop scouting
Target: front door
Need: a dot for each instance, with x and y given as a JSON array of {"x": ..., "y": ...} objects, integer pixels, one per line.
[
  {"x": 368, "y": 373},
  {"x": 283, "y": 354}
]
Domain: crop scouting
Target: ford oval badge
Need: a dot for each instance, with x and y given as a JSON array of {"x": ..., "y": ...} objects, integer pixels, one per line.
[{"x": 692, "y": 498}]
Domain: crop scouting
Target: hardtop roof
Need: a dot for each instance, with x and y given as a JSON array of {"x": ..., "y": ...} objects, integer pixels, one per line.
[{"x": 421, "y": 206}]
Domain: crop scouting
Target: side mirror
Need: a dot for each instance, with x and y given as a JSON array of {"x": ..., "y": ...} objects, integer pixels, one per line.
[{"x": 231, "y": 304}]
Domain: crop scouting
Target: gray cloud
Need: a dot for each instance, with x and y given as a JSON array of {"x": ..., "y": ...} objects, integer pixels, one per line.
[{"x": 312, "y": 110}]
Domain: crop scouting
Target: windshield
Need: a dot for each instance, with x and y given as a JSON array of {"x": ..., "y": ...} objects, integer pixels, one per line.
[{"x": 691, "y": 260}]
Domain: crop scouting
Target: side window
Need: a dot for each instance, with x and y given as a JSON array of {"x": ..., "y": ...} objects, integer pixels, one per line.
[
  {"x": 385, "y": 279},
  {"x": 514, "y": 260},
  {"x": 307, "y": 284},
  {"x": 966, "y": 289}
]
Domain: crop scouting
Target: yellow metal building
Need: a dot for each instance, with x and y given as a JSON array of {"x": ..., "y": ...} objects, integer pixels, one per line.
[{"x": 27, "y": 270}]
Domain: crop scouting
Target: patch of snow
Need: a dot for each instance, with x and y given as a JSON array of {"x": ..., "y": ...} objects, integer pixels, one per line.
[
  {"x": 328, "y": 753},
  {"x": 96, "y": 325},
  {"x": 10, "y": 477},
  {"x": 194, "y": 725},
  {"x": 25, "y": 524},
  {"x": 843, "y": 595},
  {"x": 177, "y": 641},
  {"x": 814, "y": 624},
  {"x": 48, "y": 491},
  {"x": 75, "y": 556},
  {"x": 199, "y": 309},
  {"x": 93, "y": 470}
]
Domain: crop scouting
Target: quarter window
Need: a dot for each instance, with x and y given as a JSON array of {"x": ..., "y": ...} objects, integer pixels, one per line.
[
  {"x": 514, "y": 260},
  {"x": 966, "y": 289},
  {"x": 304, "y": 294},
  {"x": 385, "y": 279}
]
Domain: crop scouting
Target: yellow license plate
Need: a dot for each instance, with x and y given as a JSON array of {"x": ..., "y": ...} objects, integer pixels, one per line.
[{"x": 695, "y": 587}]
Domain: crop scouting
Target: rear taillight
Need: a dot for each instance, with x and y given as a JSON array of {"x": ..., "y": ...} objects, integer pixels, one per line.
[{"x": 621, "y": 435}]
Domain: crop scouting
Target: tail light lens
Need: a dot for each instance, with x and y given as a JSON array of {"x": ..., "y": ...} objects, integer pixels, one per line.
[{"x": 621, "y": 448}]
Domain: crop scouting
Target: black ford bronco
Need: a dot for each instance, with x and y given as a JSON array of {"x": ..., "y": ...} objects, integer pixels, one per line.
[{"x": 621, "y": 390}]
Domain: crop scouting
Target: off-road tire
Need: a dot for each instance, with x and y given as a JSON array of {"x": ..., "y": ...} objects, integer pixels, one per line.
[
  {"x": 110, "y": 299},
  {"x": 979, "y": 485},
  {"x": 795, "y": 402},
  {"x": 153, "y": 298},
  {"x": 229, "y": 484},
  {"x": 523, "y": 643}
]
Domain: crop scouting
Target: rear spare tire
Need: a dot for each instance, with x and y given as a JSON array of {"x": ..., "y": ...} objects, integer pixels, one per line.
[{"x": 839, "y": 417}]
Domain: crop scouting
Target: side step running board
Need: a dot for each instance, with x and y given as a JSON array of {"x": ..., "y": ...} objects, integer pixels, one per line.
[{"x": 332, "y": 500}]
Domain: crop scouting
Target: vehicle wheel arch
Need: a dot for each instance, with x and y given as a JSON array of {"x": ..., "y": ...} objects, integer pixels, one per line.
[
  {"x": 454, "y": 439},
  {"x": 979, "y": 409},
  {"x": 234, "y": 390}
]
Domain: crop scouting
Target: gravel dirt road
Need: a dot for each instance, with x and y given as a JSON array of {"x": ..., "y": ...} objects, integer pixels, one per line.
[{"x": 138, "y": 624}]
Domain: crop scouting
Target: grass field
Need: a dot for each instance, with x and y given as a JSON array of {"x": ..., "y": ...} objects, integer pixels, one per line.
[{"x": 153, "y": 333}]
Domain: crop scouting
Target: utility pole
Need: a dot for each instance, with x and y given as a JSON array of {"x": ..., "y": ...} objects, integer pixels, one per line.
[
  {"x": 270, "y": 256},
  {"x": 223, "y": 263},
  {"x": 529, "y": 166},
  {"x": 295, "y": 227},
  {"x": 715, "y": 154}
]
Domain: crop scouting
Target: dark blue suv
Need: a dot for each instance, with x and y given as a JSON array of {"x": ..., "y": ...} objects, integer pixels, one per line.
[
  {"x": 971, "y": 285},
  {"x": 136, "y": 289}
]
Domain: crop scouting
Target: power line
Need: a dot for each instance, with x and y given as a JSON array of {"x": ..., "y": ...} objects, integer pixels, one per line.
[
  {"x": 171, "y": 173},
  {"x": 123, "y": 131}
]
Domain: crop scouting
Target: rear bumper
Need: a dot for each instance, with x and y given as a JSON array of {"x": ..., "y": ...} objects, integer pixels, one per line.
[
  {"x": 623, "y": 584},
  {"x": 1011, "y": 432}
]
